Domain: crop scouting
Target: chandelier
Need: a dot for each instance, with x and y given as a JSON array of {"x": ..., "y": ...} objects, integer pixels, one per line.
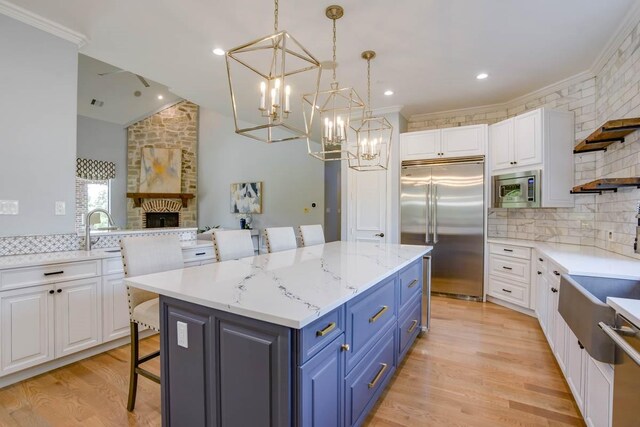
[
  {"x": 263, "y": 76},
  {"x": 373, "y": 147},
  {"x": 335, "y": 108}
]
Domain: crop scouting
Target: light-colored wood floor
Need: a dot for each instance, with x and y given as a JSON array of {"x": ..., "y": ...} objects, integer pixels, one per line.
[{"x": 480, "y": 365}]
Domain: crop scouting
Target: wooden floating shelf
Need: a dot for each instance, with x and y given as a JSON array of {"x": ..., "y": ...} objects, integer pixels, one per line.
[
  {"x": 607, "y": 184},
  {"x": 610, "y": 132},
  {"x": 138, "y": 197}
]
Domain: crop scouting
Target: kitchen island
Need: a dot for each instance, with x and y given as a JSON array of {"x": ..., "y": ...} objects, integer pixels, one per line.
[{"x": 306, "y": 337}]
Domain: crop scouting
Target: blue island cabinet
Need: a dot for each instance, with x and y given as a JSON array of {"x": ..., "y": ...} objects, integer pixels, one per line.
[{"x": 231, "y": 370}]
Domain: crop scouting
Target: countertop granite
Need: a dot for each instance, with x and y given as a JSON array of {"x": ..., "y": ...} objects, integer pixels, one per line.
[
  {"x": 290, "y": 288},
  {"x": 16, "y": 261},
  {"x": 590, "y": 261}
]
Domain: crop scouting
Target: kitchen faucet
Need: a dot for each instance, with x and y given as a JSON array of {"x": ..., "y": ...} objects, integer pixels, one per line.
[{"x": 87, "y": 227}]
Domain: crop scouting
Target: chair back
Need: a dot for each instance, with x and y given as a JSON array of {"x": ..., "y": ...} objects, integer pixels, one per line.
[
  {"x": 233, "y": 244},
  {"x": 311, "y": 235},
  {"x": 146, "y": 255},
  {"x": 280, "y": 239}
]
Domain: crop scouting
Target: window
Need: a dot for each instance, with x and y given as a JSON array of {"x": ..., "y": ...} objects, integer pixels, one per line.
[{"x": 93, "y": 194}]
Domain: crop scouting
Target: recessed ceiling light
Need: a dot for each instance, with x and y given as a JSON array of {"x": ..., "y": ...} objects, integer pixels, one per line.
[
  {"x": 218, "y": 51},
  {"x": 160, "y": 97},
  {"x": 482, "y": 76},
  {"x": 388, "y": 92}
]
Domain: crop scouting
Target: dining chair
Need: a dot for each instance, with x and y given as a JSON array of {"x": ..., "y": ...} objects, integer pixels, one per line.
[
  {"x": 280, "y": 239},
  {"x": 146, "y": 255},
  {"x": 311, "y": 235},
  {"x": 233, "y": 244}
]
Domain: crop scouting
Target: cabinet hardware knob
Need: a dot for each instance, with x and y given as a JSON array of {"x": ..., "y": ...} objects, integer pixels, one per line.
[
  {"x": 59, "y": 290},
  {"x": 330, "y": 327},
  {"x": 380, "y": 235},
  {"x": 556, "y": 272},
  {"x": 414, "y": 323},
  {"x": 378, "y": 314},
  {"x": 540, "y": 259},
  {"x": 413, "y": 283},
  {"x": 51, "y": 291},
  {"x": 515, "y": 163},
  {"x": 383, "y": 367},
  {"x": 506, "y": 290},
  {"x": 54, "y": 273},
  {"x": 554, "y": 290},
  {"x": 539, "y": 272},
  {"x": 345, "y": 347},
  {"x": 580, "y": 345}
]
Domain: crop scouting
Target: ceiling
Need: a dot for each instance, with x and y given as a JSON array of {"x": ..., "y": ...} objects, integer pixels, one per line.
[
  {"x": 116, "y": 90},
  {"x": 429, "y": 51}
]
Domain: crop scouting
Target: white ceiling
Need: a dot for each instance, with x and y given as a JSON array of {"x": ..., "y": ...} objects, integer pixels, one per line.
[
  {"x": 116, "y": 90},
  {"x": 429, "y": 51}
]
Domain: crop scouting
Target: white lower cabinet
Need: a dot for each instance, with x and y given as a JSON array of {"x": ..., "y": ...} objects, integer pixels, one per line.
[
  {"x": 26, "y": 328},
  {"x": 78, "y": 315},
  {"x": 575, "y": 367},
  {"x": 115, "y": 307},
  {"x": 598, "y": 400}
]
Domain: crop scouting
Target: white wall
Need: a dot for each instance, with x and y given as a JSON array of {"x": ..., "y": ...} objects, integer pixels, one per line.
[
  {"x": 37, "y": 128},
  {"x": 100, "y": 140},
  {"x": 292, "y": 180}
]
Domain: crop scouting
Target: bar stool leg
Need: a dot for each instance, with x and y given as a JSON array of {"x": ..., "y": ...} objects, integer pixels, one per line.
[{"x": 133, "y": 375}]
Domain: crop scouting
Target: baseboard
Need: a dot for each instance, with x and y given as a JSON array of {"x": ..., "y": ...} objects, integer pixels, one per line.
[
  {"x": 67, "y": 360},
  {"x": 511, "y": 306}
]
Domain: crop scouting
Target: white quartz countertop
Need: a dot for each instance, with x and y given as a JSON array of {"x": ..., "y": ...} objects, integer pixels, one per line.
[
  {"x": 629, "y": 308},
  {"x": 583, "y": 260},
  {"x": 16, "y": 261},
  {"x": 290, "y": 288}
]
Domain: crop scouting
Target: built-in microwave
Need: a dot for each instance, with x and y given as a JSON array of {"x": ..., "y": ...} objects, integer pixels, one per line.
[{"x": 517, "y": 190}]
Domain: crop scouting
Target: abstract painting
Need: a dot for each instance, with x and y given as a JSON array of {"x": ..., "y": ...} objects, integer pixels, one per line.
[
  {"x": 246, "y": 197},
  {"x": 160, "y": 170}
]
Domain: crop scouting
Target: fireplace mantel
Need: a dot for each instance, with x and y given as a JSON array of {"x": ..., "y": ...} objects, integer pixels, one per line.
[{"x": 138, "y": 197}]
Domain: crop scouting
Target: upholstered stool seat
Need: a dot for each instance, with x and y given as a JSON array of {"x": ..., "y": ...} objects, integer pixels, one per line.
[
  {"x": 147, "y": 314},
  {"x": 233, "y": 244},
  {"x": 311, "y": 235},
  {"x": 280, "y": 239}
]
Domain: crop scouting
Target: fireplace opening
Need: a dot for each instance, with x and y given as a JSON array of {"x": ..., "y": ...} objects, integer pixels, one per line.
[{"x": 162, "y": 219}]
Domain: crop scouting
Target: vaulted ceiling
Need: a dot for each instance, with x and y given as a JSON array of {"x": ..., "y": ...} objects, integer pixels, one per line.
[{"x": 429, "y": 51}]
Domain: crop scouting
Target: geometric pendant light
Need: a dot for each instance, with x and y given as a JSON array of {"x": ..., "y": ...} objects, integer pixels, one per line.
[{"x": 264, "y": 75}]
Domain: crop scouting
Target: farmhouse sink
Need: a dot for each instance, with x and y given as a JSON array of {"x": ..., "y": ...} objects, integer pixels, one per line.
[{"x": 583, "y": 304}]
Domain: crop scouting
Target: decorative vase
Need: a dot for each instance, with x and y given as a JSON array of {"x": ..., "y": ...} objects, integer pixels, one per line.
[{"x": 243, "y": 223}]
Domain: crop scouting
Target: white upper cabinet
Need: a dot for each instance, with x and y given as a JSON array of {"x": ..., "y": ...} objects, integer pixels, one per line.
[
  {"x": 527, "y": 132},
  {"x": 501, "y": 145},
  {"x": 460, "y": 141}
]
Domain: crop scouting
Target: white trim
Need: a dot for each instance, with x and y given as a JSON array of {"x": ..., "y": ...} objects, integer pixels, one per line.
[
  {"x": 388, "y": 110},
  {"x": 42, "y": 23},
  {"x": 630, "y": 21},
  {"x": 523, "y": 310}
]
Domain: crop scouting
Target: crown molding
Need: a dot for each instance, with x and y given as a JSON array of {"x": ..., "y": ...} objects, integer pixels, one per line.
[
  {"x": 522, "y": 99},
  {"x": 388, "y": 110},
  {"x": 630, "y": 21},
  {"x": 42, "y": 23}
]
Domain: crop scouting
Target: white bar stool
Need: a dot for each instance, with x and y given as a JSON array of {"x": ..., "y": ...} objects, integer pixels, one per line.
[
  {"x": 233, "y": 244},
  {"x": 312, "y": 235},
  {"x": 280, "y": 239}
]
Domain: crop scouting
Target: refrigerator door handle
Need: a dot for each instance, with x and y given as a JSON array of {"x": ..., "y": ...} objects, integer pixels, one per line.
[
  {"x": 435, "y": 214},
  {"x": 428, "y": 219}
]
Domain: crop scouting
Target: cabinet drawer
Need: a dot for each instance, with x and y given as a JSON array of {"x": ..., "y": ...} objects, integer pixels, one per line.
[
  {"x": 409, "y": 326},
  {"x": 197, "y": 254},
  {"x": 510, "y": 268},
  {"x": 367, "y": 317},
  {"x": 112, "y": 266},
  {"x": 410, "y": 282},
  {"x": 553, "y": 273},
  {"x": 365, "y": 384},
  {"x": 510, "y": 251},
  {"x": 510, "y": 292},
  {"x": 317, "y": 335},
  {"x": 44, "y": 274}
]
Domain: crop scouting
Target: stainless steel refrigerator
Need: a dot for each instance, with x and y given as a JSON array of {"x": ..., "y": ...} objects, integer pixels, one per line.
[{"x": 442, "y": 204}]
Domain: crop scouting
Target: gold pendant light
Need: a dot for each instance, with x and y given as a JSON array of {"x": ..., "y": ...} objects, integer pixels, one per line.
[
  {"x": 263, "y": 76},
  {"x": 334, "y": 109},
  {"x": 374, "y": 133}
]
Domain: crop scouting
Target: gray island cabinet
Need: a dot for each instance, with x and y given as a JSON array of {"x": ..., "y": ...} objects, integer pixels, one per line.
[{"x": 231, "y": 366}]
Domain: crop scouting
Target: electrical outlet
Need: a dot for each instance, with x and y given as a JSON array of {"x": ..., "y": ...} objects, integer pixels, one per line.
[
  {"x": 61, "y": 208},
  {"x": 183, "y": 334},
  {"x": 8, "y": 207}
]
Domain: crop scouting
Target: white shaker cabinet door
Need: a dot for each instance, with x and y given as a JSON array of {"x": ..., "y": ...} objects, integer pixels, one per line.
[
  {"x": 78, "y": 315},
  {"x": 115, "y": 308},
  {"x": 501, "y": 145},
  {"x": 26, "y": 328},
  {"x": 598, "y": 393},
  {"x": 527, "y": 130},
  {"x": 464, "y": 141},
  {"x": 420, "y": 145}
]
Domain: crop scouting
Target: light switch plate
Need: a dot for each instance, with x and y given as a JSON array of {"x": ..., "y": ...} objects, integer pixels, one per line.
[
  {"x": 183, "y": 334},
  {"x": 61, "y": 208},
  {"x": 9, "y": 207}
]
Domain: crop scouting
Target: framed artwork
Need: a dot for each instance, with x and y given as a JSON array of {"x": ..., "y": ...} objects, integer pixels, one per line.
[
  {"x": 160, "y": 170},
  {"x": 246, "y": 198}
]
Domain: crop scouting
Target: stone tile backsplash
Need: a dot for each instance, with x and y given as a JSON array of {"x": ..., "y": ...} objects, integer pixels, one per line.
[{"x": 608, "y": 220}]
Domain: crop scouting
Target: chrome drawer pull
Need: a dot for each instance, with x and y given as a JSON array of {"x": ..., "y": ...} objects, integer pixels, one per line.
[
  {"x": 330, "y": 327},
  {"x": 414, "y": 323},
  {"x": 54, "y": 272},
  {"x": 412, "y": 284},
  {"x": 375, "y": 380},
  {"x": 506, "y": 290},
  {"x": 507, "y": 268},
  {"x": 378, "y": 314}
]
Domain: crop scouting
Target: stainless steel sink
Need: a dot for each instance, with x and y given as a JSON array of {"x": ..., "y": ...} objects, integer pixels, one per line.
[{"x": 583, "y": 304}]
